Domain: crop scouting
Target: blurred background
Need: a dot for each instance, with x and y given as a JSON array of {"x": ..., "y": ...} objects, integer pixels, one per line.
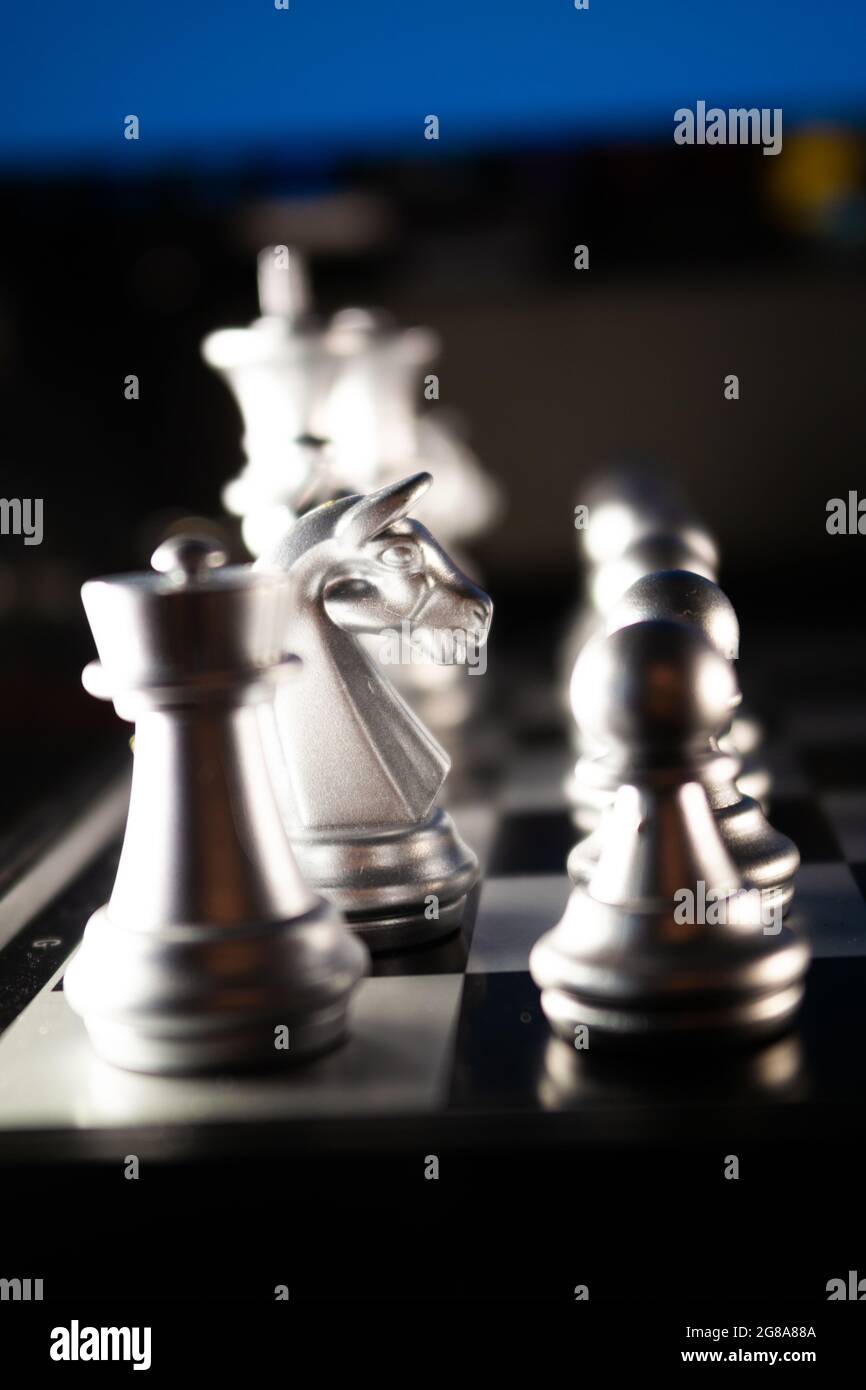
[{"x": 306, "y": 126}]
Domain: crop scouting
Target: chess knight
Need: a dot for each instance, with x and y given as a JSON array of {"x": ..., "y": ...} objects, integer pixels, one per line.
[{"x": 360, "y": 773}]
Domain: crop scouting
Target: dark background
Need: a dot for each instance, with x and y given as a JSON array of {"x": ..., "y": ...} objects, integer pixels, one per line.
[{"x": 306, "y": 127}]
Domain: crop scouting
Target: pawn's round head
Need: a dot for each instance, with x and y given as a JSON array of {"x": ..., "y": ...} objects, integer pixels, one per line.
[
  {"x": 657, "y": 685},
  {"x": 680, "y": 595},
  {"x": 630, "y": 499},
  {"x": 688, "y": 548}
]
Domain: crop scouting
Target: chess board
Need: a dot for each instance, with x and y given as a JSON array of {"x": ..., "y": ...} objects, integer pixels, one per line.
[{"x": 449, "y": 1040}]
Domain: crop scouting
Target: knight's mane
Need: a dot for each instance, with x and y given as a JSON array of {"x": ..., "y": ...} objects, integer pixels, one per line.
[
  {"x": 321, "y": 525},
  {"x": 309, "y": 530}
]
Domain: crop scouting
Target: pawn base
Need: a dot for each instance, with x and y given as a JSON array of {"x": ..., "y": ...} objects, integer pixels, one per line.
[
  {"x": 636, "y": 975},
  {"x": 746, "y": 1021}
]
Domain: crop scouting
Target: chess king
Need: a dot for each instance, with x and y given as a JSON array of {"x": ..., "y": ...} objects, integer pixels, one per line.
[
  {"x": 360, "y": 773},
  {"x": 352, "y": 381}
]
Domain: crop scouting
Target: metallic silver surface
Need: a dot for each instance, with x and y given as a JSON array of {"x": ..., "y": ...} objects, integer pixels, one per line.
[
  {"x": 353, "y": 383},
  {"x": 361, "y": 772},
  {"x": 636, "y": 522},
  {"x": 280, "y": 370},
  {"x": 332, "y": 409},
  {"x": 629, "y": 504},
  {"x": 379, "y": 435},
  {"x": 621, "y": 546},
  {"x": 211, "y": 939},
  {"x": 673, "y": 590},
  {"x": 686, "y": 550},
  {"x": 622, "y": 959},
  {"x": 764, "y": 858},
  {"x": 674, "y": 593},
  {"x": 695, "y": 598}
]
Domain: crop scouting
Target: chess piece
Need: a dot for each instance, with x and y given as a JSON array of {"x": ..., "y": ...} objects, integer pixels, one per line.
[
  {"x": 361, "y": 772},
  {"x": 635, "y": 522},
  {"x": 211, "y": 941},
  {"x": 681, "y": 595},
  {"x": 607, "y": 585},
  {"x": 764, "y": 858},
  {"x": 687, "y": 550},
  {"x": 629, "y": 504},
  {"x": 694, "y": 596},
  {"x": 281, "y": 370},
  {"x": 378, "y": 434},
  {"x": 663, "y": 941},
  {"x": 352, "y": 383},
  {"x": 331, "y": 410},
  {"x": 638, "y": 525}
]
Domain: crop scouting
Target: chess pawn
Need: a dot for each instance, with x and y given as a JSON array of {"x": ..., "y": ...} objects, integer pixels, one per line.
[
  {"x": 629, "y": 504},
  {"x": 212, "y": 952},
  {"x": 361, "y": 772},
  {"x": 764, "y": 858},
  {"x": 657, "y": 594},
  {"x": 628, "y": 507},
  {"x": 689, "y": 548},
  {"x": 281, "y": 370},
  {"x": 635, "y": 521},
  {"x": 663, "y": 941}
]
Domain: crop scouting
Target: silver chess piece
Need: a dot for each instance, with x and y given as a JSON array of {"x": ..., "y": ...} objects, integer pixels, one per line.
[
  {"x": 695, "y": 597},
  {"x": 629, "y": 504},
  {"x": 362, "y": 773},
  {"x": 636, "y": 522},
  {"x": 628, "y": 959},
  {"x": 281, "y": 370},
  {"x": 379, "y": 435},
  {"x": 607, "y": 585},
  {"x": 353, "y": 382},
  {"x": 638, "y": 525},
  {"x": 332, "y": 409},
  {"x": 764, "y": 858},
  {"x": 211, "y": 940}
]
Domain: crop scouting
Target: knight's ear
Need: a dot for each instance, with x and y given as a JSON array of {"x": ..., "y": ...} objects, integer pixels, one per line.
[{"x": 372, "y": 514}]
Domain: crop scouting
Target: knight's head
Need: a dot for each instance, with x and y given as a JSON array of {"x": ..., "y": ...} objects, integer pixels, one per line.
[{"x": 373, "y": 568}]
